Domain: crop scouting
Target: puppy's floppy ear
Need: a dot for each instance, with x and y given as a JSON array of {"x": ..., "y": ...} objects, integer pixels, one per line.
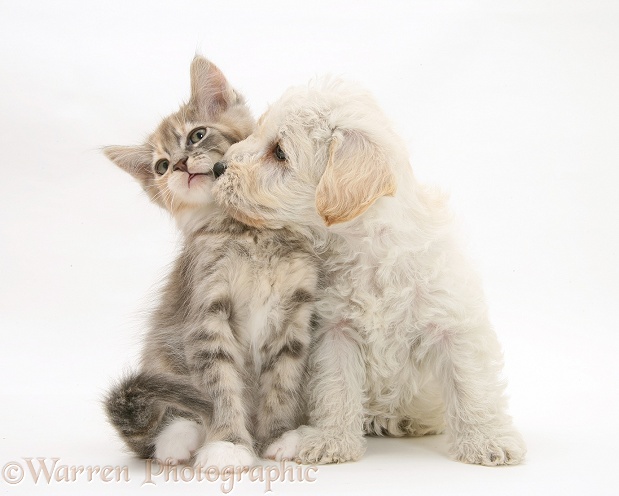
[
  {"x": 357, "y": 174},
  {"x": 210, "y": 90}
]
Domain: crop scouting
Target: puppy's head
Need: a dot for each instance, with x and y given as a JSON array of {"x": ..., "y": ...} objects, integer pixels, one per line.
[{"x": 318, "y": 157}]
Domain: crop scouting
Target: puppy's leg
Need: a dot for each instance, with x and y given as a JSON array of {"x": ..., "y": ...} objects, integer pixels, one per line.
[
  {"x": 337, "y": 371},
  {"x": 468, "y": 362}
]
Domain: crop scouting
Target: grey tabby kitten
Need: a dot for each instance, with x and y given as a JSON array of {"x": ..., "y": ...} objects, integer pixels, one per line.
[{"x": 223, "y": 367}]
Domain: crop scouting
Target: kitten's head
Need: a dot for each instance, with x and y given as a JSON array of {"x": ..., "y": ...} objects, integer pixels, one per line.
[{"x": 175, "y": 164}]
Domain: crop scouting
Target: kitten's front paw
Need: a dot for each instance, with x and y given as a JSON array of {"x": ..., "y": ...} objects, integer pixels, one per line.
[
  {"x": 177, "y": 442},
  {"x": 503, "y": 448},
  {"x": 317, "y": 447},
  {"x": 222, "y": 454},
  {"x": 286, "y": 447}
]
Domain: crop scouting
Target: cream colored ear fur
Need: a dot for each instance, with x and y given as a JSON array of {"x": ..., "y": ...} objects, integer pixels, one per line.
[{"x": 357, "y": 174}]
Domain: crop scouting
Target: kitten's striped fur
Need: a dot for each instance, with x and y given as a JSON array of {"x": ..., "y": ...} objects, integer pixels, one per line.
[{"x": 229, "y": 340}]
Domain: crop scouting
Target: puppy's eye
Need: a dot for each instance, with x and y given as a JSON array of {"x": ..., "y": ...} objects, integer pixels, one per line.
[
  {"x": 196, "y": 135},
  {"x": 279, "y": 153},
  {"x": 162, "y": 166}
]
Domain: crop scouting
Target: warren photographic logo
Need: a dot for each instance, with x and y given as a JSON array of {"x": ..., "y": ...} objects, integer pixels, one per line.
[
  {"x": 49, "y": 470},
  {"x": 52, "y": 471}
]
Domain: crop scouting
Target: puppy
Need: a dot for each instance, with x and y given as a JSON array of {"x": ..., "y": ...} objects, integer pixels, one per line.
[{"x": 405, "y": 347}]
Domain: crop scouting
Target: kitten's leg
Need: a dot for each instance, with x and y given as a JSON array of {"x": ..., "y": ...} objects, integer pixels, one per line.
[
  {"x": 216, "y": 362},
  {"x": 337, "y": 370},
  {"x": 282, "y": 378},
  {"x": 177, "y": 441}
]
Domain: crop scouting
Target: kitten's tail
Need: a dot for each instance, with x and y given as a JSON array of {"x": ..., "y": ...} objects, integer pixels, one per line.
[{"x": 141, "y": 404}]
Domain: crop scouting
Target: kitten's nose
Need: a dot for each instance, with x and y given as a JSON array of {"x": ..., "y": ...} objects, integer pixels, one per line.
[
  {"x": 219, "y": 168},
  {"x": 181, "y": 165}
]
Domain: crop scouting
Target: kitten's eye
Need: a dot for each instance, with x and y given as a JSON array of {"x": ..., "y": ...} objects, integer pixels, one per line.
[
  {"x": 279, "y": 153},
  {"x": 196, "y": 135},
  {"x": 162, "y": 166}
]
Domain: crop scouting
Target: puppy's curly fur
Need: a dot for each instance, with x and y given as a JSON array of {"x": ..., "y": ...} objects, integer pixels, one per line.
[{"x": 405, "y": 346}]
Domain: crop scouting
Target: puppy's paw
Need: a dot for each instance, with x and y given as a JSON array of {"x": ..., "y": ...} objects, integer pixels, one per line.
[
  {"x": 318, "y": 447},
  {"x": 503, "y": 448},
  {"x": 223, "y": 454},
  {"x": 286, "y": 447},
  {"x": 177, "y": 442}
]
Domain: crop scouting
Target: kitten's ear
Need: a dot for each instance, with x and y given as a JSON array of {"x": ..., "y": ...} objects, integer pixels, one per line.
[
  {"x": 136, "y": 160},
  {"x": 210, "y": 90}
]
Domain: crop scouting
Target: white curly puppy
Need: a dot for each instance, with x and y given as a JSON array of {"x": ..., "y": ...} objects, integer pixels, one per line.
[{"x": 404, "y": 346}]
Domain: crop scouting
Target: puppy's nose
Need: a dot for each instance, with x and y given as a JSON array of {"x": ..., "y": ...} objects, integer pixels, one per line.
[{"x": 219, "y": 168}]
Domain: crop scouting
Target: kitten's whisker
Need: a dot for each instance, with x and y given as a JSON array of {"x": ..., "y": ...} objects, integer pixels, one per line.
[{"x": 159, "y": 195}]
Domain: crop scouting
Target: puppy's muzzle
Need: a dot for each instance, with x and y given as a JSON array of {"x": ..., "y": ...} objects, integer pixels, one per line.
[{"x": 219, "y": 168}]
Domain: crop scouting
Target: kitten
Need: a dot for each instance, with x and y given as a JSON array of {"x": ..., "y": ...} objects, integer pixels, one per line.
[{"x": 223, "y": 367}]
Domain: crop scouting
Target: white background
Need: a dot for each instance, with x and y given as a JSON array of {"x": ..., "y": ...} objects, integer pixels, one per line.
[{"x": 511, "y": 106}]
